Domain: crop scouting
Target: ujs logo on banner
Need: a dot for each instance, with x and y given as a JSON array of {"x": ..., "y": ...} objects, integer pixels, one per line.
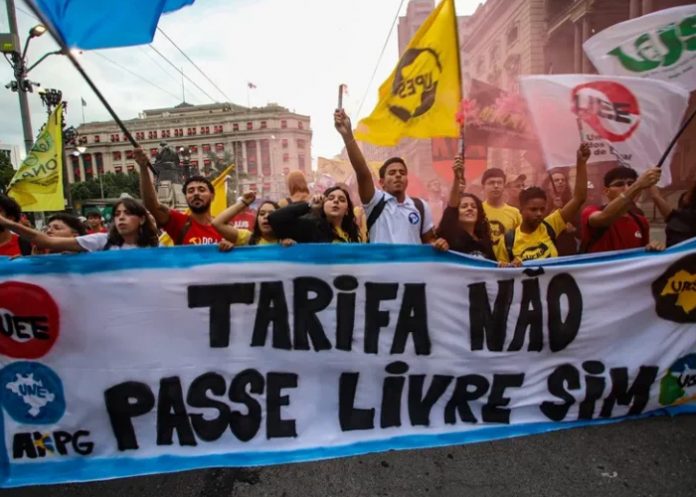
[
  {"x": 679, "y": 383},
  {"x": 675, "y": 291},
  {"x": 29, "y": 320}
]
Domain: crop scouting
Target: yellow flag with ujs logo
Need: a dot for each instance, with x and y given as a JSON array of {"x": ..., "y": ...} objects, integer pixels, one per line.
[
  {"x": 38, "y": 183},
  {"x": 421, "y": 96}
]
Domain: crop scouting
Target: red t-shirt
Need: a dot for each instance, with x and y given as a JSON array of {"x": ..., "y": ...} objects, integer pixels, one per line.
[
  {"x": 197, "y": 234},
  {"x": 624, "y": 233},
  {"x": 100, "y": 230},
  {"x": 11, "y": 247}
]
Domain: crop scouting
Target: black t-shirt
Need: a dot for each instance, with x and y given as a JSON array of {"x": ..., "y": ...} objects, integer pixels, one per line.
[
  {"x": 681, "y": 226},
  {"x": 460, "y": 240}
]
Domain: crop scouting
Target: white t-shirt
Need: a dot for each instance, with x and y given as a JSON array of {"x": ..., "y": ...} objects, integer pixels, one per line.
[
  {"x": 97, "y": 241},
  {"x": 398, "y": 223}
]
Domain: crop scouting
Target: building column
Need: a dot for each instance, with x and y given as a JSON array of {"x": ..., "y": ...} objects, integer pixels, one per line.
[
  {"x": 634, "y": 9},
  {"x": 647, "y": 7},
  {"x": 586, "y": 66},
  {"x": 577, "y": 48}
]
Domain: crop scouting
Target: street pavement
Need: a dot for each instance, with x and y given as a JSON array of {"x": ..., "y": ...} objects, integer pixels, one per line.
[{"x": 643, "y": 458}]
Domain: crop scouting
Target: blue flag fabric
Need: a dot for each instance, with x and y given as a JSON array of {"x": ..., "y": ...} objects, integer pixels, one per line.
[{"x": 90, "y": 24}]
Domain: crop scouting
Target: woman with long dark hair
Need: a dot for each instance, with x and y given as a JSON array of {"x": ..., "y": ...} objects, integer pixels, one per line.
[
  {"x": 262, "y": 233},
  {"x": 327, "y": 218},
  {"x": 558, "y": 193},
  {"x": 132, "y": 228},
  {"x": 464, "y": 227}
]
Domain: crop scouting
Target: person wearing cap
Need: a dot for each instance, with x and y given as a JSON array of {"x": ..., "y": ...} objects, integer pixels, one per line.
[
  {"x": 619, "y": 224},
  {"x": 513, "y": 188},
  {"x": 501, "y": 215},
  {"x": 95, "y": 221}
]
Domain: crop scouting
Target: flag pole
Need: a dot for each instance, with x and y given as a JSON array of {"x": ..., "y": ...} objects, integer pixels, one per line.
[
  {"x": 462, "y": 143},
  {"x": 82, "y": 105},
  {"x": 676, "y": 137},
  {"x": 66, "y": 51}
]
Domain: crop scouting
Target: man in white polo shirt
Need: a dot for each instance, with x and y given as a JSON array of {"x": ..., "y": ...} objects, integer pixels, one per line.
[{"x": 392, "y": 216}]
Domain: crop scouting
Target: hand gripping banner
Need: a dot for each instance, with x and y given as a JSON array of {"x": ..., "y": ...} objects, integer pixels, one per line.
[{"x": 156, "y": 360}]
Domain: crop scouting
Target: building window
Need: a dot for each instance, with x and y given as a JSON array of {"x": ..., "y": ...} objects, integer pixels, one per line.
[
  {"x": 250, "y": 125},
  {"x": 512, "y": 34},
  {"x": 300, "y": 125},
  {"x": 97, "y": 139},
  {"x": 152, "y": 135},
  {"x": 193, "y": 149},
  {"x": 300, "y": 144},
  {"x": 301, "y": 162},
  {"x": 264, "y": 124},
  {"x": 206, "y": 148},
  {"x": 129, "y": 154},
  {"x": 219, "y": 147},
  {"x": 153, "y": 152},
  {"x": 76, "y": 168},
  {"x": 283, "y": 123},
  {"x": 235, "y": 126},
  {"x": 116, "y": 138},
  {"x": 87, "y": 162},
  {"x": 139, "y": 135},
  {"x": 166, "y": 133},
  {"x": 205, "y": 130},
  {"x": 284, "y": 143},
  {"x": 252, "y": 164},
  {"x": 218, "y": 128},
  {"x": 116, "y": 156},
  {"x": 194, "y": 163},
  {"x": 99, "y": 161},
  {"x": 265, "y": 152},
  {"x": 286, "y": 157},
  {"x": 118, "y": 169},
  {"x": 130, "y": 168},
  {"x": 176, "y": 132}
]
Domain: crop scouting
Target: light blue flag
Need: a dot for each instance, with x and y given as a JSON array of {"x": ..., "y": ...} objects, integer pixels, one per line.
[{"x": 91, "y": 24}]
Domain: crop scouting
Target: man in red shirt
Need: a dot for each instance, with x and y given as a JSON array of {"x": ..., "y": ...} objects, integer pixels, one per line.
[
  {"x": 184, "y": 229},
  {"x": 95, "y": 221},
  {"x": 619, "y": 224},
  {"x": 10, "y": 244}
]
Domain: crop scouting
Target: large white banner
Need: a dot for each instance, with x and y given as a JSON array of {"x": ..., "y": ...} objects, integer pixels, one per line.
[
  {"x": 627, "y": 120},
  {"x": 661, "y": 45},
  {"x": 135, "y": 362}
]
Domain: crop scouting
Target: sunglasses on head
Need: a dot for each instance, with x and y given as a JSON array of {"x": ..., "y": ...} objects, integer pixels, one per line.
[{"x": 622, "y": 182}]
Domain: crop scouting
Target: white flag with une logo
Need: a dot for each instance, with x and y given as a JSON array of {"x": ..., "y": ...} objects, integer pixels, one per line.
[
  {"x": 661, "y": 45},
  {"x": 627, "y": 120}
]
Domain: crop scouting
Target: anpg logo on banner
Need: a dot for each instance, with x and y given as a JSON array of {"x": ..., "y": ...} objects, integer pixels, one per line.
[{"x": 29, "y": 320}]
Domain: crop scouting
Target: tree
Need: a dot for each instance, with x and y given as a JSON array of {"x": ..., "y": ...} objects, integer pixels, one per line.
[
  {"x": 114, "y": 184},
  {"x": 6, "y": 172}
]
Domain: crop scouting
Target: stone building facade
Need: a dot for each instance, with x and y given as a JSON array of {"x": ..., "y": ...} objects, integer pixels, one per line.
[{"x": 265, "y": 142}]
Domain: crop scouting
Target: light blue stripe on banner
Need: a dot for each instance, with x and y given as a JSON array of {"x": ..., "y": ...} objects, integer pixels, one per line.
[
  {"x": 95, "y": 469},
  {"x": 189, "y": 256}
]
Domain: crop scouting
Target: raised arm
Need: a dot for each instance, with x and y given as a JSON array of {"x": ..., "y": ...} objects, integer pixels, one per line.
[
  {"x": 222, "y": 221},
  {"x": 289, "y": 222},
  {"x": 40, "y": 239},
  {"x": 147, "y": 189},
  {"x": 458, "y": 169},
  {"x": 571, "y": 209},
  {"x": 623, "y": 203},
  {"x": 366, "y": 187},
  {"x": 660, "y": 202}
]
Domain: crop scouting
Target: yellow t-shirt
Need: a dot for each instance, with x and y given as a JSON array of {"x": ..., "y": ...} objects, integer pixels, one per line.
[
  {"x": 244, "y": 237},
  {"x": 535, "y": 245},
  {"x": 501, "y": 219},
  {"x": 340, "y": 236}
]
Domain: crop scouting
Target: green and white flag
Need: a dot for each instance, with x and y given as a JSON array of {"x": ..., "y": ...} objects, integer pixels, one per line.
[{"x": 661, "y": 45}]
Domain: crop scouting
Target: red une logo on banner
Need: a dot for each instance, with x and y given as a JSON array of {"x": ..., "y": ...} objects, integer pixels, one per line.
[
  {"x": 29, "y": 320},
  {"x": 609, "y": 108}
]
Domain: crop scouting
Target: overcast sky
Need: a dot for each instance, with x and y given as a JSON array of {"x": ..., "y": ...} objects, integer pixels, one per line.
[{"x": 295, "y": 52}]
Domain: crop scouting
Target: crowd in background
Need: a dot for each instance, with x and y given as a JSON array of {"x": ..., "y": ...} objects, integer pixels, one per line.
[{"x": 510, "y": 225}]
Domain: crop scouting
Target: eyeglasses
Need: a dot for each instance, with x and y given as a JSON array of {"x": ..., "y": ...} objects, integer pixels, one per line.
[{"x": 621, "y": 183}]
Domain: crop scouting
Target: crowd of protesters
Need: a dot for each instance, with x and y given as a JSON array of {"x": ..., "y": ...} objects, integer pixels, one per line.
[{"x": 510, "y": 225}]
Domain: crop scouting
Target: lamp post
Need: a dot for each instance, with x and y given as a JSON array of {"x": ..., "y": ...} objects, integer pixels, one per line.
[{"x": 21, "y": 84}]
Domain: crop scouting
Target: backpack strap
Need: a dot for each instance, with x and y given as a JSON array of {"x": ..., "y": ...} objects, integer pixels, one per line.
[
  {"x": 509, "y": 239},
  {"x": 421, "y": 210},
  {"x": 376, "y": 212},
  {"x": 550, "y": 231},
  {"x": 184, "y": 229}
]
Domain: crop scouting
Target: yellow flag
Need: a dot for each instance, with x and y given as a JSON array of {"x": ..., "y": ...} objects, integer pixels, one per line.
[
  {"x": 420, "y": 97},
  {"x": 218, "y": 204},
  {"x": 38, "y": 183}
]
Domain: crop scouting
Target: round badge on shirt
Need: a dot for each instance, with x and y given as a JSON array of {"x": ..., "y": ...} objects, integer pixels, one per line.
[{"x": 413, "y": 218}]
